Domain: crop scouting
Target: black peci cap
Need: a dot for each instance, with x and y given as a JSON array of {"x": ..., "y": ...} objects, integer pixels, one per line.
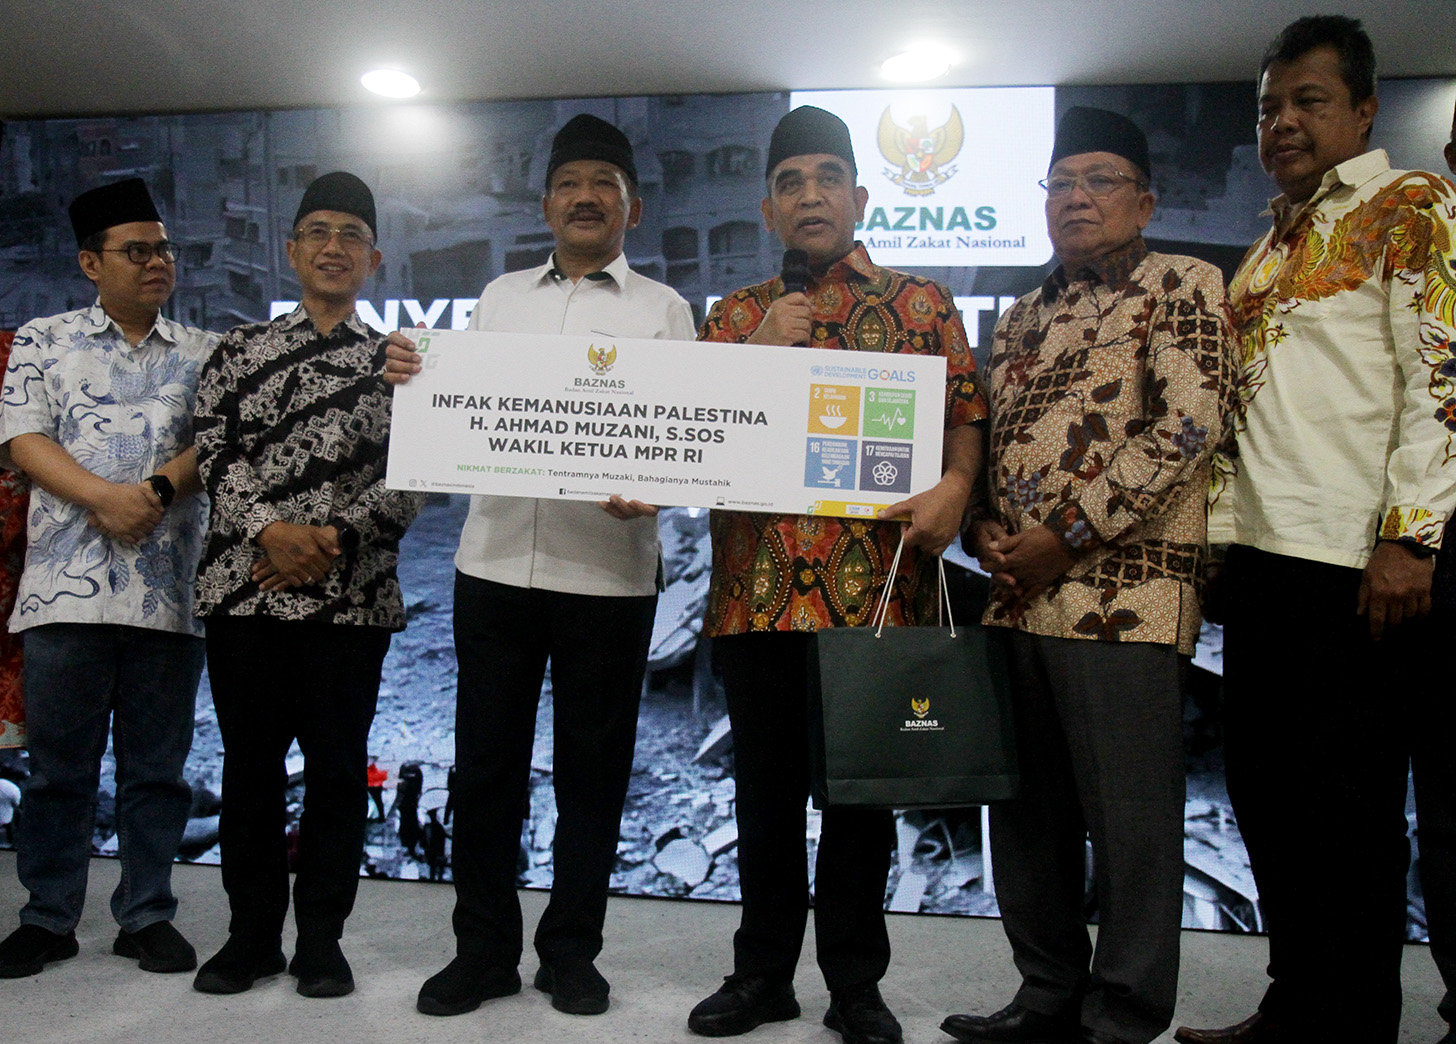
[
  {"x": 119, "y": 203},
  {"x": 806, "y": 131},
  {"x": 1085, "y": 129},
  {"x": 587, "y": 137},
  {"x": 342, "y": 192}
]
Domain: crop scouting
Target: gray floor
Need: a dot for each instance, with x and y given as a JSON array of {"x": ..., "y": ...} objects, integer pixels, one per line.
[{"x": 662, "y": 957}]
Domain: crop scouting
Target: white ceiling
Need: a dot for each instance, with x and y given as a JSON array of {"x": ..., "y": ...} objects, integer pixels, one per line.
[{"x": 147, "y": 56}]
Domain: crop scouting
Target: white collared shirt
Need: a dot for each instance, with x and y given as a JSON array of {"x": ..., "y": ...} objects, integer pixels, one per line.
[{"x": 568, "y": 545}]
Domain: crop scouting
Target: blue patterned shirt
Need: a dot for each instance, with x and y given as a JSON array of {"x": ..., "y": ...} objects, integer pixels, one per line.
[{"x": 121, "y": 411}]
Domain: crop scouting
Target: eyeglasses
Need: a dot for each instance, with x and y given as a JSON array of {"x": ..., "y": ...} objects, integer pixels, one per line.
[
  {"x": 1099, "y": 184},
  {"x": 349, "y": 237},
  {"x": 142, "y": 253}
]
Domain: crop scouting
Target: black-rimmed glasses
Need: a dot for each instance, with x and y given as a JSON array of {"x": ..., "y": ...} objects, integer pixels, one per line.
[{"x": 142, "y": 253}]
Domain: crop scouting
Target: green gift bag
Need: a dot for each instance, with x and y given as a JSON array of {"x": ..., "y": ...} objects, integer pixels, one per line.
[{"x": 909, "y": 717}]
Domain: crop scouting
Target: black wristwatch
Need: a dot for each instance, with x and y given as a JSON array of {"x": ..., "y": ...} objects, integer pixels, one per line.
[{"x": 163, "y": 488}]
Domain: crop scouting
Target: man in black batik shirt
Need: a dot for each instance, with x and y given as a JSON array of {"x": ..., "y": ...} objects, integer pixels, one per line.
[{"x": 298, "y": 587}]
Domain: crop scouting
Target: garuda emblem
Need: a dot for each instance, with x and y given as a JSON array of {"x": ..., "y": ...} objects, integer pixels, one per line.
[
  {"x": 922, "y": 155},
  {"x": 601, "y": 359},
  {"x": 920, "y": 707}
]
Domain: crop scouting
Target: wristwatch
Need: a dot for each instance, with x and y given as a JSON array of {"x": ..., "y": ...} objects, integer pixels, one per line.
[{"x": 163, "y": 488}]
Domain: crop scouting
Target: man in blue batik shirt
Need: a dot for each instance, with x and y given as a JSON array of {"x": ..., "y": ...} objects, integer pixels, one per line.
[{"x": 97, "y": 411}]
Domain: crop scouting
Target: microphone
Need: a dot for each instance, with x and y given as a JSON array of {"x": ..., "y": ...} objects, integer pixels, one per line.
[{"x": 795, "y": 272}]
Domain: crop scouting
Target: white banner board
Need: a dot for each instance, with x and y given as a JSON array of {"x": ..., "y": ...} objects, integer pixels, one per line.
[{"x": 745, "y": 427}]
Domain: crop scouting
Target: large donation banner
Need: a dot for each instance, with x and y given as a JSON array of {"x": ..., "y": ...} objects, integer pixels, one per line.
[{"x": 686, "y": 423}]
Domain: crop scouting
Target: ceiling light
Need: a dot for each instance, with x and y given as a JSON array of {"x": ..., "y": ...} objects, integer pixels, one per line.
[
  {"x": 392, "y": 83},
  {"x": 916, "y": 65}
]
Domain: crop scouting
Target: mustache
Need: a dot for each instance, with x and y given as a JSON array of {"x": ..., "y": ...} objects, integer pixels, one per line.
[{"x": 582, "y": 210}]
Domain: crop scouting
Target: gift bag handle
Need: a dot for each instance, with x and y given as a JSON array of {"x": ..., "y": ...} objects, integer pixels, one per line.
[{"x": 882, "y": 609}]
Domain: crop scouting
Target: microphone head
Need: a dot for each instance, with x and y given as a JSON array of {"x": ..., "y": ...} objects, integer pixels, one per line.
[{"x": 795, "y": 273}]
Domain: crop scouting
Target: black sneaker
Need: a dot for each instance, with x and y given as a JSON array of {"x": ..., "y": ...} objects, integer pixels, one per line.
[
  {"x": 158, "y": 947},
  {"x": 575, "y": 985},
  {"x": 742, "y": 1003},
  {"x": 463, "y": 985},
  {"x": 860, "y": 1016},
  {"x": 240, "y": 963},
  {"x": 321, "y": 969},
  {"x": 30, "y": 948}
]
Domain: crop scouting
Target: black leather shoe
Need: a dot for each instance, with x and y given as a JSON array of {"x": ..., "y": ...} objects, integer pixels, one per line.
[
  {"x": 30, "y": 948},
  {"x": 157, "y": 947},
  {"x": 1013, "y": 1024},
  {"x": 575, "y": 985},
  {"x": 860, "y": 1016},
  {"x": 321, "y": 969},
  {"x": 463, "y": 985},
  {"x": 742, "y": 1003},
  {"x": 240, "y": 963},
  {"x": 1094, "y": 1037},
  {"x": 1256, "y": 1029}
]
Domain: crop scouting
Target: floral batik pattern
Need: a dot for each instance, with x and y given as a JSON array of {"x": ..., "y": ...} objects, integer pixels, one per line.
[
  {"x": 121, "y": 411},
  {"x": 1109, "y": 389},
  {"x": 802, "y": 573}
]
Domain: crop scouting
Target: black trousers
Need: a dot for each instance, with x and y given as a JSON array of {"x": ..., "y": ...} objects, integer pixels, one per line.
[
  {"x": 765, "y": 678},
  {"x": 274, "y": 681},
  {"x": 598, "y": 648},
  {"x": 1433, "y": 768},
  {"x": 1317, "y": 762},
  {"x": 1099, "y": 731}
]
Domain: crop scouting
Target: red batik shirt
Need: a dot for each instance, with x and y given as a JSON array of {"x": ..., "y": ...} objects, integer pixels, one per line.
[
  {"x": 802, "y": 573},
  {"x": 14, "y": 500}
]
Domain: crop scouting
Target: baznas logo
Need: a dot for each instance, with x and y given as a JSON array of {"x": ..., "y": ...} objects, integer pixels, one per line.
[
  {"x": 601, "y": 360},
  {"x": 920, "y": 707},
  {"x": 921, "y": 154}
]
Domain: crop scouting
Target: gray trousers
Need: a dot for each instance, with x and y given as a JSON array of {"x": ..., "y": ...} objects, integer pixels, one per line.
[{"x": 1100, "y": 739}]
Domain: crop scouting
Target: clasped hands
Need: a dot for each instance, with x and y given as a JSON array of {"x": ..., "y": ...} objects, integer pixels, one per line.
[
  {"x": 295, "y": 555},
  {"x": 1027, "y": 562},
  {"x": 127, "y": 512}
]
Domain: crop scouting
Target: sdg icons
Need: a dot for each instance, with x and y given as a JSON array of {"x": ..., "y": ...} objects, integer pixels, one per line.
[{"x": 849, "y": 411}]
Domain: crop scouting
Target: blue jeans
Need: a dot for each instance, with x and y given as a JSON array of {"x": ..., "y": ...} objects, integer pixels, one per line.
[{"x": 77, "y": 677}]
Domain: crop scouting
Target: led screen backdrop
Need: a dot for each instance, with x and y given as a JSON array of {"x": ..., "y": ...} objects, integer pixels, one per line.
[{"x": 952, "y": 180}]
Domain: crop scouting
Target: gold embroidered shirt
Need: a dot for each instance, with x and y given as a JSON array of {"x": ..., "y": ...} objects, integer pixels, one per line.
[{"x": 1345, "y": 312}]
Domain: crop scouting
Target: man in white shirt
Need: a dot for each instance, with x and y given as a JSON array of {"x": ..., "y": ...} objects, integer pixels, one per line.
[{"x": 571, "y": 581}]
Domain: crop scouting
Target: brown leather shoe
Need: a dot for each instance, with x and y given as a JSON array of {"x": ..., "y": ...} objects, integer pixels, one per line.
[{"x": 1256, "y": 1029}]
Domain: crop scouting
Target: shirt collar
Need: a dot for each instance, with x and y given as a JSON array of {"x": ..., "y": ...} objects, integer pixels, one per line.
[
  {"x": 615, "y": 272},
  {"x": 98, "y": 322},
  {"x": 299, "y": 316},
  {"x": 854, "y": 265},
  {"x": 1351, "y": 174},
  {"x": 1112, "y": 270}
]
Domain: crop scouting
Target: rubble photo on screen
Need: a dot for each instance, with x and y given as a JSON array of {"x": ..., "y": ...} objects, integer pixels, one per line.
[{"x": 459, "y": 191}]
